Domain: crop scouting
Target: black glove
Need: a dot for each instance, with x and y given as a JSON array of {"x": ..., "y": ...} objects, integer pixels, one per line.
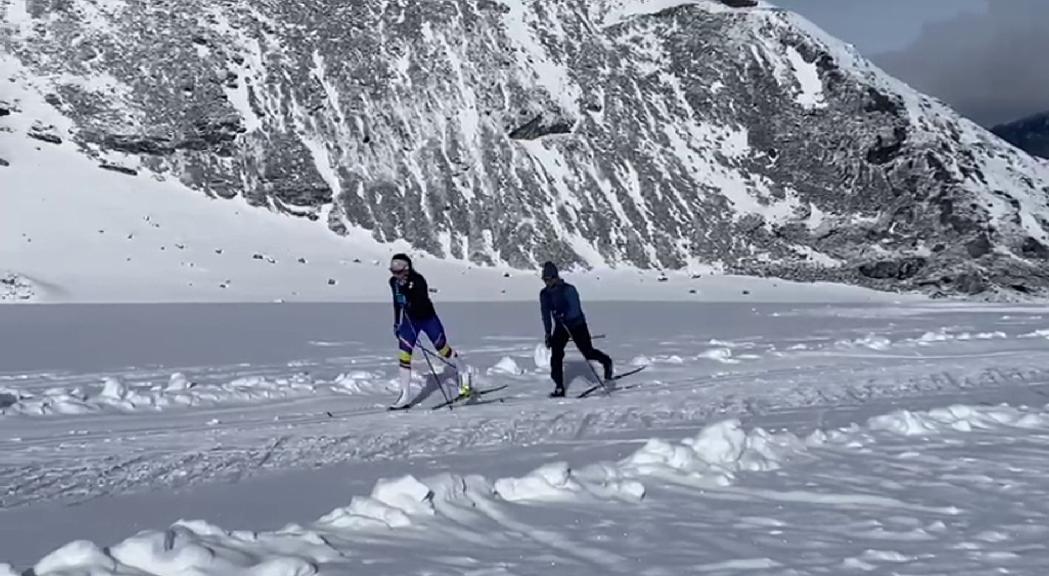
[{"x": 547, "y": 341}]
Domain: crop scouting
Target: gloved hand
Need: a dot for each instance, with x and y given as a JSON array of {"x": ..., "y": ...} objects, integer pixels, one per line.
[
  {"x": 396, "y": 329},
  {"x": 547, "y": 341}
]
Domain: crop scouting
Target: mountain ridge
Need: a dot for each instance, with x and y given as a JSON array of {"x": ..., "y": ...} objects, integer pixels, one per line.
[
  {"x": 649, "y": 134},
  {"x": 1030, "y": 134}
]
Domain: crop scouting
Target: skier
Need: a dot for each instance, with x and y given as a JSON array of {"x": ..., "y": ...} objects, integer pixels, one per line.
[
  {"x": 560, "y": 301},
  {"x": 414, "y": 314}
]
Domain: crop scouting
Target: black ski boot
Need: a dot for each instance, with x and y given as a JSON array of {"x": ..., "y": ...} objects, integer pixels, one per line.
[
  {"x": 608, "y": 371},
  {"x": 559, "y": 392}
]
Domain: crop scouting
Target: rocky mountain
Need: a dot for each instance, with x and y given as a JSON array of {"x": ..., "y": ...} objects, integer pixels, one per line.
[
  {"x": 1030, "y": 134},
  {"x": 655, "y": 134}
]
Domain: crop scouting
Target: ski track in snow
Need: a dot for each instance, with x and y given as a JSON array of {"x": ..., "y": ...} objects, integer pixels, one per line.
[
  {"x": 74, "y": 436},
  {"x": 904, "y": 492}
]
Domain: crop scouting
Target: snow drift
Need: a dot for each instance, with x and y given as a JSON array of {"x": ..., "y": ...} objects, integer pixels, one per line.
[{"x": 713, "y": 458}]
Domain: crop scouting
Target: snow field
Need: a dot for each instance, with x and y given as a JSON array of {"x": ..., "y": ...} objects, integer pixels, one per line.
[
  {"x": 35, "y": 394},
  {"x": 480, "y": 523},
  {"x": 594, "y": 485}
]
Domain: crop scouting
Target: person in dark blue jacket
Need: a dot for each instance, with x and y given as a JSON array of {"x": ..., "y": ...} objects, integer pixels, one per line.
[{"x": 563, "y": 318}]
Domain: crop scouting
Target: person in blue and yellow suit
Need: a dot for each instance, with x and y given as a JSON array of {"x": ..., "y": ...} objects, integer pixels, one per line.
[{"x": 414, "y": 314}]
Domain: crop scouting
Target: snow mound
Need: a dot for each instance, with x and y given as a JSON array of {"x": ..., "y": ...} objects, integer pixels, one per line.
[
  {"x": 178, "y": 383},
  {"x": 116, "y": 395},
  {"x": 1043, "y": 333},
  {"x": 870, "y": 341},
  {"x": 192, "y": 548},
  {"x": 723, "y": 355},
  {"x": 392, "y": 503},
  {"x": 550, "y": 482},
  {"x": 958, "y": 417},
  {"x": 557, "y": 482},
  {"x": 715, "y": 455},
  {"x": 507, "y": 365},
  {"x": 944, "y": 335},
  {"x": 361, "y": 382}
]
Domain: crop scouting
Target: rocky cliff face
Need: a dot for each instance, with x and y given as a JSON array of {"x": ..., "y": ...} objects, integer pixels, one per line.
[{"x": 660, "y": 134}]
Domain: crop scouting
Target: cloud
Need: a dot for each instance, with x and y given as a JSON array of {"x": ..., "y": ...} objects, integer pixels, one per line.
[{"x": 990, "y": 67}]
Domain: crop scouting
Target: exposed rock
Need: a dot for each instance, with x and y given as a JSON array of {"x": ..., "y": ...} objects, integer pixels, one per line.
[
  {"x": 682, "y": 135},
  {"x": 1032, "y": 248},
  {"x": 979, "y": 246},
  {"x": 16, "y": 288},
  {"x": 893, "y": 269},
  {"x": 120, "y": 169},
  {"x": 44, "y": 137},
  {"x": 539, "y": 126}
]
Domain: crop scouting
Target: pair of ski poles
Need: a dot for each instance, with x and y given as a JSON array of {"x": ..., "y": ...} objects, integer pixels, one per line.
[{"x": 426, "y": 354}]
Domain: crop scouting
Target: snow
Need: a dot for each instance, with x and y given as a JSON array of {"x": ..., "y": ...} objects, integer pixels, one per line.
[
  {"x": 885, "y": 421},
  {"x": 84, "y": 234},
  {"x": 763, "y": 487},
  {"x": 531, "y": 54},
  {"x": 811, "y": 94},
  {"x": 16, "y": 13},
  {"x": 778, "y": 428},
  {"x": 506, "y": 366}
]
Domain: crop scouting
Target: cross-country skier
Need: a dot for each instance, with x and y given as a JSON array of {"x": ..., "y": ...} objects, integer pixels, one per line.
[
  {"x": 559, "y": 301},
  {"x": 414, "y": 314}
]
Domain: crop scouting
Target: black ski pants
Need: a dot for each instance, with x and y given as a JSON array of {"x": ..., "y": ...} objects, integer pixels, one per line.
[{"x": 580, "y": 334}]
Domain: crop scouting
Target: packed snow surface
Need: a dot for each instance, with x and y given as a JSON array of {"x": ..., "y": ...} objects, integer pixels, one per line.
[{"x": 254, "y": 439}]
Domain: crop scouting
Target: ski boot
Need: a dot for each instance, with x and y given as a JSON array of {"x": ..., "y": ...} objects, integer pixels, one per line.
[
  {"x": 559, "y": 392},
  {"x": 465, "y": 388}
]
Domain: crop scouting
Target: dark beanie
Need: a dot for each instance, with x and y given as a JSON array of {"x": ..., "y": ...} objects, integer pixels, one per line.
[
  {"x": 404, "y": 258},
  {"x": 549, "y": 270}
]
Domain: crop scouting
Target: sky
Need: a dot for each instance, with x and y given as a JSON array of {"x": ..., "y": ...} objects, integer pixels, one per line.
[{"x": 985, "y": 58}]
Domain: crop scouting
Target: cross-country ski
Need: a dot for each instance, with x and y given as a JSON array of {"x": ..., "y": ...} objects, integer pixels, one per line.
[{"x": 606, "y": 382}]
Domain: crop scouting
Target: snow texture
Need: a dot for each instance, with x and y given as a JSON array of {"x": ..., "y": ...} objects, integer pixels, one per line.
[
  {"x": 868, "y": 531},
  {"x": 883, "y": 420}
]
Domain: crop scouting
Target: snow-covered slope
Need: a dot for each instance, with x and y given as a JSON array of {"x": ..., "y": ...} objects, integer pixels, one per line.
[
  {"x": 71, "y": 231},
  {"x": 651, "y": 134}
]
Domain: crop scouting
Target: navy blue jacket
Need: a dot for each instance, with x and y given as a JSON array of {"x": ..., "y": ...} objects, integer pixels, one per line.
[{"x": 561, "y": 303}]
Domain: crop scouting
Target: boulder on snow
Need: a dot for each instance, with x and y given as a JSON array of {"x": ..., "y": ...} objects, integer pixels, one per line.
[{"x": 44, "y": 137}]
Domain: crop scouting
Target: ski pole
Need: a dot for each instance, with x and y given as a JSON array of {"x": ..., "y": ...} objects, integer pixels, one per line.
[
  {"x": 599, "y": 379},
  {"x": 438, "y": 357},
  {"x": 426, "y": 356}
]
